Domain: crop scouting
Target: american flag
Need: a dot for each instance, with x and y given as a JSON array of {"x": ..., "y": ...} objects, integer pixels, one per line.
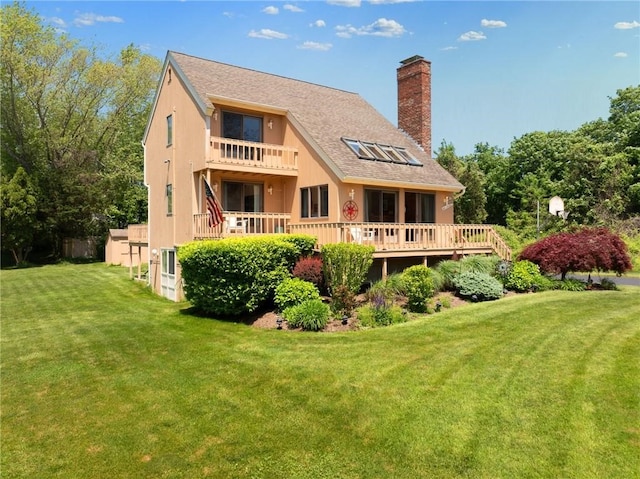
[{"x": 214, "y": 208}]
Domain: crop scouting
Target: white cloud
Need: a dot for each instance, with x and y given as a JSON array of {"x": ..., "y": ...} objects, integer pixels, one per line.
[
  {"x": 626, "y": 25},
  {"x": 271, "y": 10},
  {"x": 492, "y": 23},
  {"x": 323, "y": 47},
  {"x": 318, "y": 23},
  {"x": 345, "y": 3},
  {"x": 380, "y": 28},
  {"x": 88, "y": 19},
  {"x": 59, "y": 22},
  {"x": 448, "y": 48},
  {"x": 471, "y": 36},
  {"x": 292, "y": 8},
  {"x": 268, "y": 34},
  {"x": 621, "y": 55}
]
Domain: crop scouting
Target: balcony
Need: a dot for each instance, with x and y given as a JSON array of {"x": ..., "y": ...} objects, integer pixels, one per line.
[
  {"x": 138, "y": 234},
  {"x": 388, "y": 239},
  {"x": 238, "y": 224},
  {"x": 248, "y": 156}
]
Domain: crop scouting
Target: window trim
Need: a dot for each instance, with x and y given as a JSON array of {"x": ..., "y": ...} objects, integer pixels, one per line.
[
  {"x": 306, "y": 195},
  {"x": 242, "y": 116}
]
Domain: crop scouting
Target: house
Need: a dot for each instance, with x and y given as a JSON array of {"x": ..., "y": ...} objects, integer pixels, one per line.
[{"x": 283, "y": 155}]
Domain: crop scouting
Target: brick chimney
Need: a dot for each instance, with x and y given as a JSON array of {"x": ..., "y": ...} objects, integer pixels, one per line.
[{"x": 414, "y": 100}]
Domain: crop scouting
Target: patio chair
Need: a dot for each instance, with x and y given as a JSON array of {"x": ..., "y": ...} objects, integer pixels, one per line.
[
  {"x": 359, "y": 235},
  {"x": 234, "y": 225}
]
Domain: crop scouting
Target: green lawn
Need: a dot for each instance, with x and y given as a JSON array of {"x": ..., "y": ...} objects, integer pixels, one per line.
[{"x": 101, "y": 379}]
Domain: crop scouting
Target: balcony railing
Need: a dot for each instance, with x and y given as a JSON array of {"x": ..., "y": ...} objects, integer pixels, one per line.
[
  {"x": 137, "y": 234},
  {"x": 247, "y": 155},
  {"x": 390, "y": 238},
  {"x": 399, "y": 237},
  {"x": 238, "y": 223}
]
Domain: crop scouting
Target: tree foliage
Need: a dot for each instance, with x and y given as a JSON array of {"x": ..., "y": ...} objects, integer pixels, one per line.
[
  {"x": 595, "y": 169},
  {"x": 73, "y": 121},
  {"x": 589, "y": 249},
  {"x": 19, "y": 207},
  {"x": 469, "y": 208}
]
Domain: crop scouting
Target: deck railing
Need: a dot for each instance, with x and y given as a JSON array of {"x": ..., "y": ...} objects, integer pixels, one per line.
[
  {"x": 137, "y": 234},
  {"x": 253, "y": 155},
  {"x": 238, "y": 223},
  {"x": 384, "y": 237},
  {"x": 409, "y": 236}
]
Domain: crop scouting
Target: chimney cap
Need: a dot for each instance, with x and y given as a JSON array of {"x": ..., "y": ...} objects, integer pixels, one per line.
[{"x": 412, "y": 59}]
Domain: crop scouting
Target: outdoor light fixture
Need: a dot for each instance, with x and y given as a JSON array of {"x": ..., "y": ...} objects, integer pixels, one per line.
[
  {"x": 352, "y": 193},
  {"x": 279, "y": 322},
  {"x": 270, "y": 123},
  {"x": 154, "y": 252},
  {"x": 438, "y": 306},
  {"x": 345, "y": 319},
  {"x": 270, "y": 189}
]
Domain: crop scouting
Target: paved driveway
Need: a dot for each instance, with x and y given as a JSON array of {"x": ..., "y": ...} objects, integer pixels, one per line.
[{"x": 619, "y": 280}]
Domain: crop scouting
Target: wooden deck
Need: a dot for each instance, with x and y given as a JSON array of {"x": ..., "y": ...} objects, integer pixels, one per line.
[{"x": 388, "y": 239}]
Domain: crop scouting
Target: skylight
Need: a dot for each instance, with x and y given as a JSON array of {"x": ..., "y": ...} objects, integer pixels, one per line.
[{"x": 367, "y": 150}]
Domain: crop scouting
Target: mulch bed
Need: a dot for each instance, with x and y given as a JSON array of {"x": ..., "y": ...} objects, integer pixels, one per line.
[{"x": 267, "y": 319}]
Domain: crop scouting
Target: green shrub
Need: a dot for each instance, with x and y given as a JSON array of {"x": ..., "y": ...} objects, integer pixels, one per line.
[
  {"x": 390, "y": 288},
  {"x": 438, "y": 280},
  {"x": 478, "y": 286},
  {"x": 234, "y": 276},
  {"x": 312, "y": 315},
  {"x": 569, "y": 285},
  {"x": 304, "y": 243},
  {"x": 513, "y": 240},
  {"x": 606, "y": 283},
  {"x": 633, "y": 246},
  {"x": 371, "y": 316},
  {"x": 418, "y": 286},
  {"x": 524, "y": 276},
  {"x": 346, "y": 264},
  {"x": 293, "y": 291},
  {"x": 479, "y": 264},
  {"x": 448, "y": 270}
]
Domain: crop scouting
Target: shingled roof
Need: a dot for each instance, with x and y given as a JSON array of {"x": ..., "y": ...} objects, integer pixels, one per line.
[{"x": 324, "y": 114}]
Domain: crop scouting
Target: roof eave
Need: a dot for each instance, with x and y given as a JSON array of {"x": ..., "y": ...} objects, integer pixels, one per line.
[{"x": 360, "y": 180}]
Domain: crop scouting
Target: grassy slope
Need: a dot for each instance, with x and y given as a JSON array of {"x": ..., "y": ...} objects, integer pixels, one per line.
[{"x": 101, "y": 379}]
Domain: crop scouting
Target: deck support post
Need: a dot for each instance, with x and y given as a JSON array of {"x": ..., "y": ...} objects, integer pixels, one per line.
[{"x": 384, "y": 268}]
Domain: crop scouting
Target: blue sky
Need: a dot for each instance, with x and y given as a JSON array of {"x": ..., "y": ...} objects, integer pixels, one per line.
[{"x": 500, "y": 69}]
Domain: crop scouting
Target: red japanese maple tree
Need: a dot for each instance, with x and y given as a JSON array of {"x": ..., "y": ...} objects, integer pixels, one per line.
[{"x": 589, "y": 249}]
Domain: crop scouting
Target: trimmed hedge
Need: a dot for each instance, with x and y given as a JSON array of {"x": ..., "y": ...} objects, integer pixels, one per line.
[{"x": 234, "y": 276}]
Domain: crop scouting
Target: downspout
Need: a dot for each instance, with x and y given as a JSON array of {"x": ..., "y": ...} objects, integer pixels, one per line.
[{"x": 146, "y": 184}]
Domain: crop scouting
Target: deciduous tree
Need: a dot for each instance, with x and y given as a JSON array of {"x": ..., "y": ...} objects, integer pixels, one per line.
[{"x": 589, "y": 249}]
